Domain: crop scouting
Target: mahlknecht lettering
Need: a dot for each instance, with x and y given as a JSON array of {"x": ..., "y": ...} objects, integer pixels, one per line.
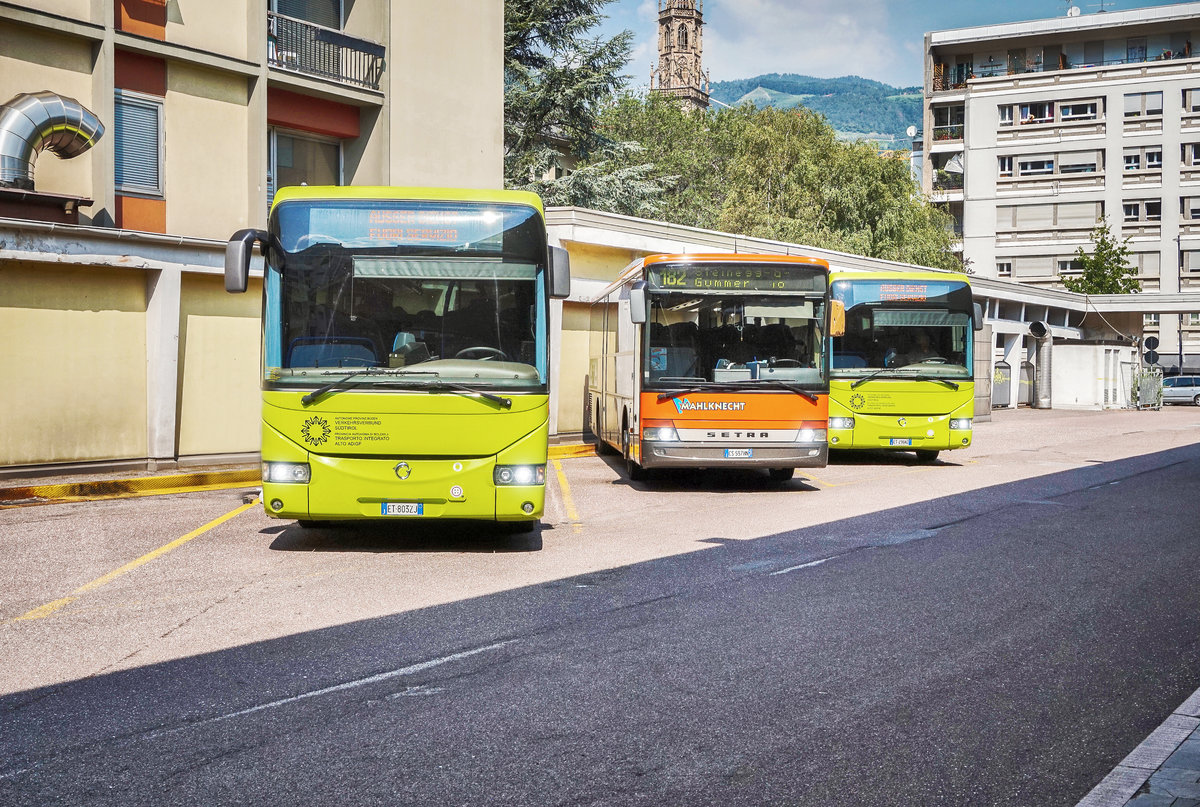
[{"x": 684, "y": 405}]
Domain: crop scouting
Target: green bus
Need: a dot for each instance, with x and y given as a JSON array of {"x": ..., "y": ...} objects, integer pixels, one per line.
[
  {"x": 901, "y": 373},
  {"x": 405, "y": 352}
]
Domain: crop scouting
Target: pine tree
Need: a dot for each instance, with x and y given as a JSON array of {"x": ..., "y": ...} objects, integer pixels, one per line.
[
  {"x": 556, "y": 79},
  {"x": 1106, "y": 270}
]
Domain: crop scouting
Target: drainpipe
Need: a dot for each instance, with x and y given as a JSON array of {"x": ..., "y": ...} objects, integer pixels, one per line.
[
  {"x": 33, "y": 122},
  {"x": 1040, "y": 331}
]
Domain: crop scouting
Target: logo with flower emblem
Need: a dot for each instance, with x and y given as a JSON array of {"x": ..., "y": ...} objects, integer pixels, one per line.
[
  {"x": 857, "y": 402},
  {"x": 315, "y": 431}
]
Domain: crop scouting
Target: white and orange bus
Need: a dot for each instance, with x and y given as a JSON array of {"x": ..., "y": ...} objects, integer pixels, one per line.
[{"x": 705, "y": 361}]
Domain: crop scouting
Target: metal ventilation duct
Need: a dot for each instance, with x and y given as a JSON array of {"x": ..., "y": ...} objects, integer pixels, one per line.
[{"x": 35, "y": 121}]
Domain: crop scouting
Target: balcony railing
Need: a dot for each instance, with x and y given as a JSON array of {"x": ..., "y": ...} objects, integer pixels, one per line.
[
  {"x": 947, "y": 181},
  {"x": 954, "y": 132},
  {"x": 314, "y": 50},
  {"x": 945, "y": 79}
]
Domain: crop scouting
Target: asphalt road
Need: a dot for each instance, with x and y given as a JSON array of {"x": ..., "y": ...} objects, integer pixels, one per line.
[{"x": 998, "y": 629}]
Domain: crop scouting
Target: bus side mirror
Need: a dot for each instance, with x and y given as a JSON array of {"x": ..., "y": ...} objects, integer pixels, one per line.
[
  {"x": 237, "y": 258},
  {"x": 560, "y": 273},
  {"x": 978, "y": 314},
  {"x": 837, "y": 318},
  {"x": 637, "y": 303}
]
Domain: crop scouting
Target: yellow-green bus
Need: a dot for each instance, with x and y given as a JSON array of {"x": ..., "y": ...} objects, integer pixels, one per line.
[
  {"x": 405, "y": 369},
  {"x": 901, "y": 373}
]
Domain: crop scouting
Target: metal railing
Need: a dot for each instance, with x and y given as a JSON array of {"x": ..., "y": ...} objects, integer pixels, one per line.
[
  {"x": 314, "y": 50},
  {"x": 953, "y": 132},
  {"x": 944, "y": 80}
]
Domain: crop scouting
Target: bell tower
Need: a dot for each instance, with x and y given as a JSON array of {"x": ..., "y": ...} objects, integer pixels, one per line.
[{"x": 680, "y": 73}]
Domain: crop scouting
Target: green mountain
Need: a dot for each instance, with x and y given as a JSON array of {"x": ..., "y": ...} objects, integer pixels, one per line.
[{"x": 857, "y": 108}]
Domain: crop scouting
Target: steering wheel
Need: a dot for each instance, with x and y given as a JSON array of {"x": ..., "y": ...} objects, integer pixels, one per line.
[
  {"x": 932, "y": 360},
  {"x": 482, "y": 353},
  {"x": 785, "y": 363}
]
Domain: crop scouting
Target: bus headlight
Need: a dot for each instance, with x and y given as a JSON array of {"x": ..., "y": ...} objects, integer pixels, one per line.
[
  {"x": 505, "y": 475},
  {"x": 663, "y": 434},
  {"x": 960, "y": 424},
  {"x": 841, "y": 423},
  {"x": 297, "y": 472},
  {"x": 811, "y": 436}
]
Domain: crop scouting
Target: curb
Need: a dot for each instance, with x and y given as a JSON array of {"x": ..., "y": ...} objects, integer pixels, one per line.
[
  {"x": 127, "y": 488},
  {"x": 28, "y": 495}
]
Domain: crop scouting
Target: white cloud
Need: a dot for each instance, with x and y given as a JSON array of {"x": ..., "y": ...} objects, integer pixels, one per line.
[{"x": 744, "y": 38}]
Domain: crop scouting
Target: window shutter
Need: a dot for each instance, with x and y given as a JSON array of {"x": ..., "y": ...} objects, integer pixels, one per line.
[
  {"x": 1078, "y": 214},
  {"x": 1035, "y": 217},
  {"x": 137, "y": 138}
]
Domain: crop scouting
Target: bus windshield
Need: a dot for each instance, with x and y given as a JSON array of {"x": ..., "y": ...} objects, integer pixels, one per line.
[
  {"x": 908, "y": 327},
  {"x": 704, "y": 327},
  {"x": 420, "y": 291}
]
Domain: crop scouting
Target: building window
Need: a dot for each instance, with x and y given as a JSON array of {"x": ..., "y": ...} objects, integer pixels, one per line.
[
  {"x": 1148, "y": 156},
  {"x": 1003, "y": 268},
  {"x": 1006, "y": 166},
  {"x": 1006, "y": 115},
  {"x": 1143, "y": 104},
  {"x": 1135, "y": 49},
  {"x": 1078, "y": 162},
  {"x": 1133, "y": 161},
  {"x": 327, "y": 13},
  {"x": 1189, "y": 208},
  {"x": 1150, "y": 320},
  {"x": 1154, "y": 158},
  {"x": 1069, "y": 266},
  {"x": 1191, "y": 100},
  {"x": 1193, "y": 320},
  {"x": 1191, "y": 154},
  {"x": 137, "y": 138},
  {"x": 1143, "y": 210},
  {"x": 1189, "y": 261},
  {"x": 1042, "y": 112},
  {"x": 1078, "y": 110},
  {"x": 298, "y": 159},
  {"x": 1037, "y": 165}
]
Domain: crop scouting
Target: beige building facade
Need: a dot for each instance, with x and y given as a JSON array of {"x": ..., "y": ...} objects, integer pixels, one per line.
[
  {"x": 1034, "y": 131},
  {"x": 110, "y": 262}
]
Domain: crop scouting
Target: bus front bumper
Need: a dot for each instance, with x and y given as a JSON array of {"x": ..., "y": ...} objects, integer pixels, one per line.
[{"x": 673, "y": 454}]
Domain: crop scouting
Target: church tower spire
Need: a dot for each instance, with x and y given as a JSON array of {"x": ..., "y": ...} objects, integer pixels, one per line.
[{"x": 680, "y": 73}]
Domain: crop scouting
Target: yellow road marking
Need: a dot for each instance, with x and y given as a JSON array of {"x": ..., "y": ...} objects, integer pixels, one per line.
[
  {"x": 568, "y": 502},
  {"x": 51, "y": 607}
]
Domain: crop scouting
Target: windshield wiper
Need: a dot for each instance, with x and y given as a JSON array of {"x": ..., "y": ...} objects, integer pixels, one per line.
[
  {"x": 779, "y": 384},
  {"x": 869, "y": 376},
  {"x": 319, "y": 391},
  {"x": 922, "y": 377},
  {"x": 499, "y": 400},
  {"x": 713, "y": 386}
]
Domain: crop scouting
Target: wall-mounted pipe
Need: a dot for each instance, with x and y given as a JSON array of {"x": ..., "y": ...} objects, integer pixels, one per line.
[
  {"x": 1040, "y": 331},
  {"x": 33, "y": 122}
]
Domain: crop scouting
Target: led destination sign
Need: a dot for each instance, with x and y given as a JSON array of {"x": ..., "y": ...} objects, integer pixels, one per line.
[{"x": 735, "y": 277}]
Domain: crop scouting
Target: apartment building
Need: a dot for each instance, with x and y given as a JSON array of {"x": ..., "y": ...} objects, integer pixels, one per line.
[
  {"x": 1034, "y": 131},
  {"x": 186, "y": 115}
]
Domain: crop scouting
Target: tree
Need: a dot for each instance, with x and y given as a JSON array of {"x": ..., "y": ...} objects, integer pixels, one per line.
[
  {"x": 1106, "y": 270},
  {"x": 556, "y": 77},
  {"x": 782, "y": 175}
]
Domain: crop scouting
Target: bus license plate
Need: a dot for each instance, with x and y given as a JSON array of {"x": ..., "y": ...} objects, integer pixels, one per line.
[
  {"x": 900, "y": 441},
  {"x": 739, "y": 453},
  {"x": 403, "y": 508}
]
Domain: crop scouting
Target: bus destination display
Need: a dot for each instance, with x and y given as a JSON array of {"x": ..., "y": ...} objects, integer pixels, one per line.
[{"x": 733, "y": 277}]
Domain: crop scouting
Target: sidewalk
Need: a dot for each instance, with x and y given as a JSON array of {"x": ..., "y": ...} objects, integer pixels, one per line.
[{"x": 1164, "y": 771}]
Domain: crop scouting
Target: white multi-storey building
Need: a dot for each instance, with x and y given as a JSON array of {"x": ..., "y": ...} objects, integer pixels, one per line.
[{"x": 1036, "y": 130}]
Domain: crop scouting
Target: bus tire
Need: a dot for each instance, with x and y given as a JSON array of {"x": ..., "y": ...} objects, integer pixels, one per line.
[
  {"x": 926, "y": 455},
  {"x": 309, "y": 524},
  {"x": 781, "y": 474},
  {"x": 635, "y": 472}
]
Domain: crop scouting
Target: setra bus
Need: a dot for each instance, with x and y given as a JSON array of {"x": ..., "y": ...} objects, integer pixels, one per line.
[
  {"x": 405, "y": 367},
  {"x": 901, "y": 373},
  {"x": 703, "y": 361}
]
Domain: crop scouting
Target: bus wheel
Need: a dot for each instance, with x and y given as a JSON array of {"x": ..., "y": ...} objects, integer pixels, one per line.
[
  {"x": 309, "y": 524},
  {"x": 635, "y": 472},
  {"x": 781, "y": 474},
  {"x": 926, "y": 455}
]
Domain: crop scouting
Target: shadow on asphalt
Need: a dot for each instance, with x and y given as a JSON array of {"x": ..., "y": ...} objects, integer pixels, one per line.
[
  {"x": 1003, "y": 646},
  {"x": 409, "y": 536}
]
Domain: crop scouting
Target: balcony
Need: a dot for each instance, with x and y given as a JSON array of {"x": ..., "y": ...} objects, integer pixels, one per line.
[{"x": 313, "y": 50}]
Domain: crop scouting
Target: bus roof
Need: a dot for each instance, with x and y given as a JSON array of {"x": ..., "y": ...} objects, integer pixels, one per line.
[
  {"x": 639, "y": 264},
  {"x": 864, "y": 274},
  {"x": 382, "y": 192}
]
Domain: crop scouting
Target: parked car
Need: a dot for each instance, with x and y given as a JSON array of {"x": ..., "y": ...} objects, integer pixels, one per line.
[{"x": 1182, "y": 389}]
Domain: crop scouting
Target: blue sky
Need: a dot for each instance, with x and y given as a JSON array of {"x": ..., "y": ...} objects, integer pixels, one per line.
[{"x": 876, "y": 39}]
